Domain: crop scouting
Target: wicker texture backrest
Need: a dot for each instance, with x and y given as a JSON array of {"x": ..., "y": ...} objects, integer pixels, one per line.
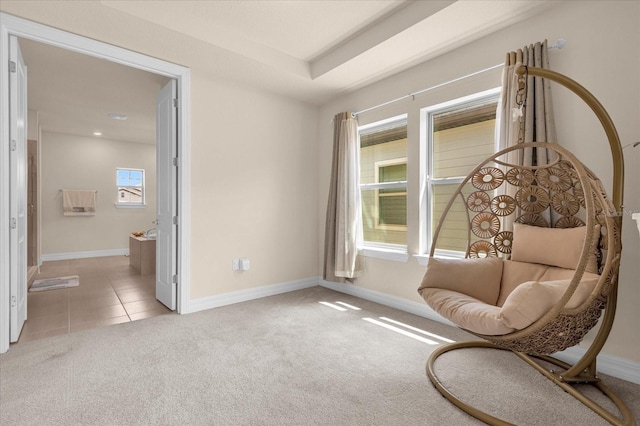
[{"x": 562, "y": 194}]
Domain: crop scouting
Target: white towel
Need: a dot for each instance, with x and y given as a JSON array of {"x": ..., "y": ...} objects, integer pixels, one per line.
[{"x": 79, "y": 202}]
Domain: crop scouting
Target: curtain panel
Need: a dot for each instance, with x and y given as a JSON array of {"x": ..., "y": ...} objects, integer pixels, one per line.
[
  {"x": 533, "y": 123},
  {"x": 539, "y": 123},
  {"x": 343, "y": 229}
]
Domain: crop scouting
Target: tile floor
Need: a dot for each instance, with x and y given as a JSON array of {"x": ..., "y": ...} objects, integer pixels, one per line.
[{"x": 110, "y": 292}]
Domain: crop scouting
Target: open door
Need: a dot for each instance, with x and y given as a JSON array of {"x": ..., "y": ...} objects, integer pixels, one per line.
[
  {"x": 167, "y": 189},
  {"x": 18, "y": 189}
]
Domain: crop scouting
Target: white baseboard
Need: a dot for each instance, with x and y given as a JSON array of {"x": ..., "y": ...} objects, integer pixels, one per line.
[
  {"x": 83, "y": 254},
  {"x": 217, "y": 301},
  {"x": 416, "y": 308},
  {"x": 607, "y": 364}
]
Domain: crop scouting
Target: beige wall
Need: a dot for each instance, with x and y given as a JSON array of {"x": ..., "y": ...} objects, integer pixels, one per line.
[
  {"x": 254, "y": 180},
  {"x": 253, "y": 188},
  {"x": 32, "y": 125},
  {"x": 600, "y": 36},
  {"x": 74, "y": 162}
]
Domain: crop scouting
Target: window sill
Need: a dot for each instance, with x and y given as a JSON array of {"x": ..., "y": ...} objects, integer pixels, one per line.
[
  {"x": 130, "y": 206},
  {"x": 394, "y": 255},
  {"x": 423, "y": 259}
]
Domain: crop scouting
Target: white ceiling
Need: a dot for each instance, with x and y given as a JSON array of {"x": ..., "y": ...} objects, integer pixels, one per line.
[
  {"x": 326, "y": 47},
  {"x": 74, "y": 93}
]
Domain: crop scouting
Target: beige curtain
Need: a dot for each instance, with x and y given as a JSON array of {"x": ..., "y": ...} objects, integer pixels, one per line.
[
  {"x": 539, "y": 123},
  {"x": 538, "y": 114},
  {"x": 343, "y": 230}
]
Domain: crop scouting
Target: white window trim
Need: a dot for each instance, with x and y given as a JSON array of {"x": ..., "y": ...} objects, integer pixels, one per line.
[
  {"x": 426, "y": 168},
  {"x": 385, "y": 251},
  {"x": 142, "y": 204},
  {"x": 423, "y": 259},
  {"x": 382, "y": 123},
  {"x": 129, "y": 206},
  {"x": 392, "y": 252}
]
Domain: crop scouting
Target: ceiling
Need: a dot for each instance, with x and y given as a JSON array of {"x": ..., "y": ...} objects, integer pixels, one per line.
[{"x": 312, "y": 50}]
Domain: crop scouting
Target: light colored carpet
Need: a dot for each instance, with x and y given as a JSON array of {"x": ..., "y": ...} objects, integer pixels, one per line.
[
  {"x": 281, "y": 360},
  {"x": 55, "y": 283}
]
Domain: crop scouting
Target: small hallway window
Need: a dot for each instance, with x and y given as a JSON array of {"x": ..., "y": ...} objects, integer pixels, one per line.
[{"x": 130, "y": 184}]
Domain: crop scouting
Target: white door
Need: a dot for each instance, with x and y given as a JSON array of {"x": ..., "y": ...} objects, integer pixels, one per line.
[
  {"x": 18, "y": 189},
  {"x": 167, "y": 188}
]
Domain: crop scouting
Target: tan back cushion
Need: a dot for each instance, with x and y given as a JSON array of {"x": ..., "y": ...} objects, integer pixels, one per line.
[
  {"x": 559, "y": 247},
  {"x": 478, "y": 278}
]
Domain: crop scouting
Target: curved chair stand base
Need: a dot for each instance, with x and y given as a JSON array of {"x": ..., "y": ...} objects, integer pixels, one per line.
[{"x": 557, "y": 378}]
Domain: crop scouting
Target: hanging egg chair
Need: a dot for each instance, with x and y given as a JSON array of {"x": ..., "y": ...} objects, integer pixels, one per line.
[{"x": 543, "y": 249}]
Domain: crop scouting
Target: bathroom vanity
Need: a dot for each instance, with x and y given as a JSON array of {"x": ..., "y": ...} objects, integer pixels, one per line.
[{"x": 142, "y": 255}]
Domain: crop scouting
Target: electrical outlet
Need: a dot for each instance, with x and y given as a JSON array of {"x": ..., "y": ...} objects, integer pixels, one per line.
[
  {"x": 244, "y": 264},
  {"x": 235, "y": 265}
]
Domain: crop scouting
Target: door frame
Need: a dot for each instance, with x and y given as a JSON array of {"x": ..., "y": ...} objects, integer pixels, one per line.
[{"x": 11, "y": 25}]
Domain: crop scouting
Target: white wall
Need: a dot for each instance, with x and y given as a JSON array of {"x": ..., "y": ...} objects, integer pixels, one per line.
[
  {"x": 603, "y": 42},
  {"x": 75, "y": 162}
]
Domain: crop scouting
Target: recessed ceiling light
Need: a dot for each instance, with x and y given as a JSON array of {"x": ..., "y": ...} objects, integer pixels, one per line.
[
  {"x": 117, "y": 116},
  {"x": 97, "y": 133}
]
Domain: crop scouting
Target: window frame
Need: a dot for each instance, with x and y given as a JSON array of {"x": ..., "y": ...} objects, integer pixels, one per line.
[
  {"x": 401, "y": 184},
  {"x": 387, "y": 251},
  {"x": 129, "y": 205},
  {"x": 428, "y": 183}
]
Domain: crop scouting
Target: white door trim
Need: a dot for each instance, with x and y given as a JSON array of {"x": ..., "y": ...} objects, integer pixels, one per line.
[{"x": 11, "y": 25}]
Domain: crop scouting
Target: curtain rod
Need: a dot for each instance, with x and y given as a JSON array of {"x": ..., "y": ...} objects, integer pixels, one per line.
[{"x": 559, "y": 44}]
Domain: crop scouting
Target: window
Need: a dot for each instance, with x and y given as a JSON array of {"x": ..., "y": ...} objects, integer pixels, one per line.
[
  {"x": 457, "y": 136},
  {"x": 383, "y": 183},
  {"x": 130, "y": 184},
  {"x": 391, "y": 205}
]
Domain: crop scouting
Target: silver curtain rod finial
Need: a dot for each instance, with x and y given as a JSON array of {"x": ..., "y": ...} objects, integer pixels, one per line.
[{"x": 559, "y": 44}]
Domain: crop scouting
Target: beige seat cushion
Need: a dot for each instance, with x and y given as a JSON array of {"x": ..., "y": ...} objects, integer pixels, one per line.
[
  {"x": 465, "y": 311},
  {"x": 477, "y": 278},
  {"x": 559, "y": 247},
  {"x": 515, "y": 273},
  {"x": 532, "y": 299}
]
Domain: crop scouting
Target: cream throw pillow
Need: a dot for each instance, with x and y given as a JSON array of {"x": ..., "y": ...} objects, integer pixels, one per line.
[
  {"x": 532, "y": 299},
  {"x": 550, "y": 246},
  {"x": 478, "y": 278}
]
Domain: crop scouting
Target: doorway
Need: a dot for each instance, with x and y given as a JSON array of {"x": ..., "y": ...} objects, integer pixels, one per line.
[{"x": 26, "y": 29}]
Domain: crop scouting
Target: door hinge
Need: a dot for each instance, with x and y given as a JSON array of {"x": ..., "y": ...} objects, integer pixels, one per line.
[
  {"x": 175, "y": 161},
  {"x": 175, "y": 220},
  {"x": 13, "y": 223},
  {"x": 14, "y": 301},
  {"x": 13, "y": 145},
  {"x": 174, "y": 279},
  {"x": 175, "y": 103},
  {"x": 12, "y": 66}
]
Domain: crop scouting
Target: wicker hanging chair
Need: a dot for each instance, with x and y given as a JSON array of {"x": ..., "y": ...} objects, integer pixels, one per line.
[{"x": 546, "y": 242}]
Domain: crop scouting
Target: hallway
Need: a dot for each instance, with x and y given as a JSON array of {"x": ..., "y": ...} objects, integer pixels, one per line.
[{"x": 110, "y": 292}]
